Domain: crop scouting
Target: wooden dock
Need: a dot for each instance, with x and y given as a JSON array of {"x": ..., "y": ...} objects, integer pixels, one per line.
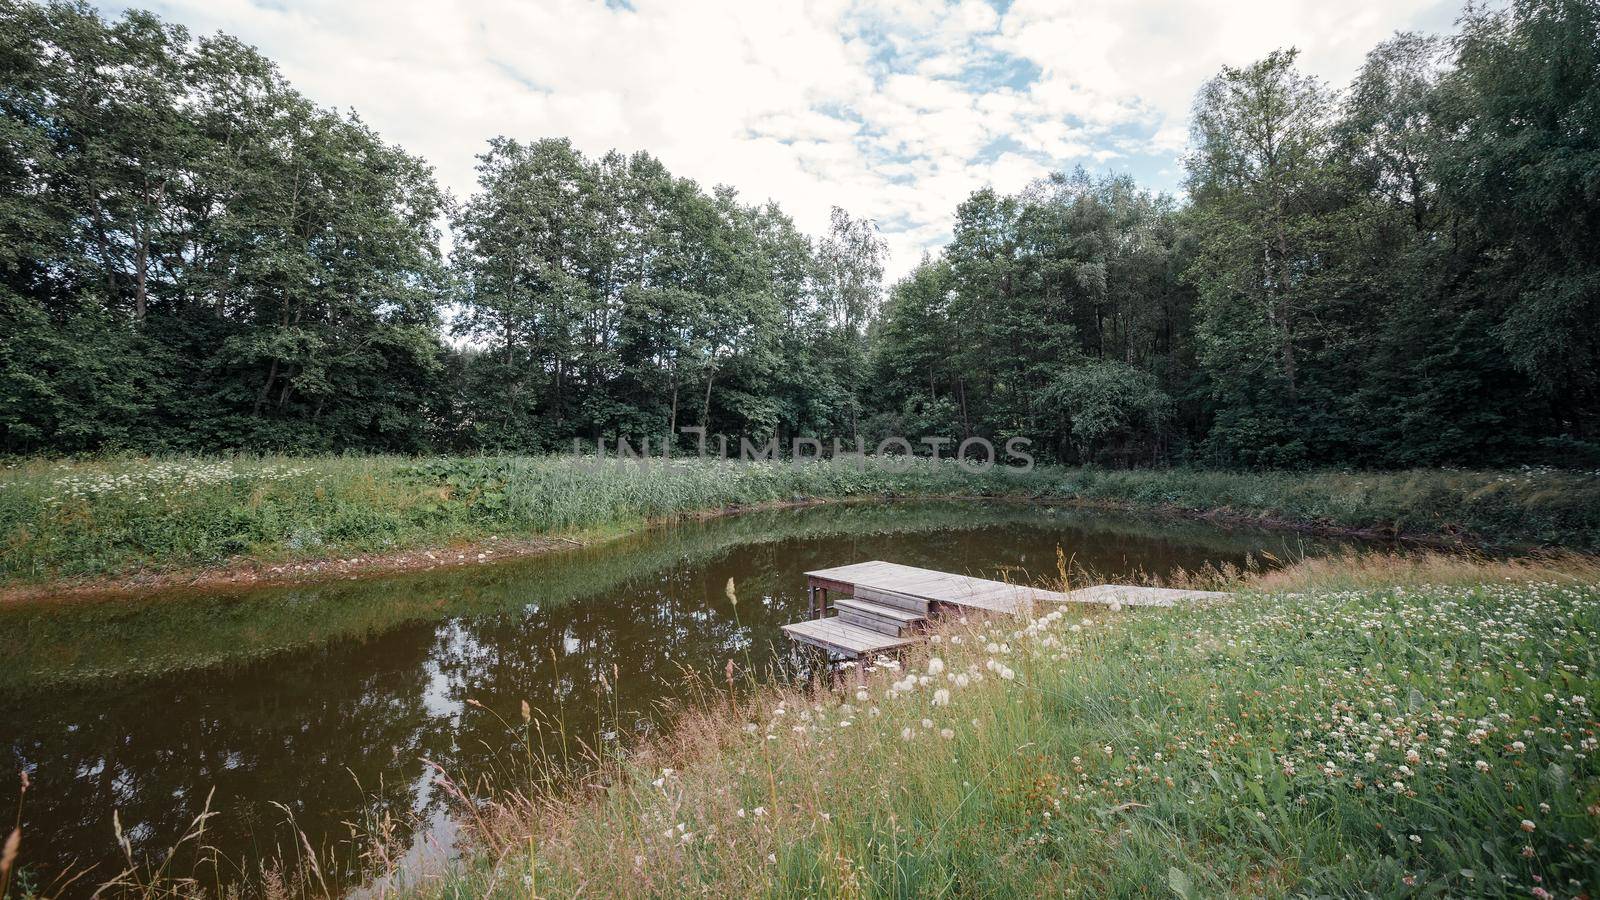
[{"x": 881, "y": 606}]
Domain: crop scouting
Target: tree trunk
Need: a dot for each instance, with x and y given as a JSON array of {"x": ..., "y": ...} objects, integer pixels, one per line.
[
  {"x": 961, "y": 390},
  {"x": 672, "y": 421},
  {"x": 141, "y": 267},
  {"x": 266, "y": 388},
  {"x": 705, "y": 408},
  {"x": 1280, "y": 309}
]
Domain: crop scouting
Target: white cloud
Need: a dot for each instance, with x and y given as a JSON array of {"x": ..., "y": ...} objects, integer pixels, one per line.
[{"x": 894, "y": 109}]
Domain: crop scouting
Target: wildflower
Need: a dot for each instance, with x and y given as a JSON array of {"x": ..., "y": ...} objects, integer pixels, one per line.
[
  {"x": 1527, "y": 825},
  {"x": 941, "y": 697},
  {"x": 946, "y": 733},
  {"x": 927, "y": 724},
  {"x": 935, "y": 666},
  {"x": 1481, "y": 766},
  {"x": 759, "y": 811},
  {"x": 906, "y": 733},
  {"x": 861, "y": 695}
]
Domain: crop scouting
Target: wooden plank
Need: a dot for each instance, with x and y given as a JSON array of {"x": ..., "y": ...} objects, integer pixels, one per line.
[
  {"x": 870, "y": 623},
  {"x": 885, "y": 619},
  {"x": 875, "y": 576},
  {"x": 830, "y": 634},
  {"x": 830, "y": 584},
  {"x": 890, "y": 592},
  {"x": 900, "y": 616},
  {"x": 918, "y": 605}
]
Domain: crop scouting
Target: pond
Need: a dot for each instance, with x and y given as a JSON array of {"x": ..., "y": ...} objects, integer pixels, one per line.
[{"x": 302, "y": 710}]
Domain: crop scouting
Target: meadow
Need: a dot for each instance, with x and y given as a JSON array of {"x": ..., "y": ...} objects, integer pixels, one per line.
[
  {"x": 120, "y": 516},
  {"x": 1365, "y": 726}
]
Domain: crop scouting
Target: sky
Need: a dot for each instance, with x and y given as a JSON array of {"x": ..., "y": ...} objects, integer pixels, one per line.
[{"x": 895, "y": 110}]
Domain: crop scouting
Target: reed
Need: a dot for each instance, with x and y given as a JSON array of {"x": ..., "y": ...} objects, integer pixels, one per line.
[{"x": 122, "y": 516}]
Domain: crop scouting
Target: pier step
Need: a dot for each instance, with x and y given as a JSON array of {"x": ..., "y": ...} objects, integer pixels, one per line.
[
  {"x": 896, "y": 599},
  {"x": 841, "y": 637},
  {"x": 888, "y": 620}
]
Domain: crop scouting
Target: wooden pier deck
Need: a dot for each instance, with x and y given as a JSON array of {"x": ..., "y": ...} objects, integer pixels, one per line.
[{"x": 881, "y": 606}]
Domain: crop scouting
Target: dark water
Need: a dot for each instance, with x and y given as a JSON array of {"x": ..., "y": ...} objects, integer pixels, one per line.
[{"x": 327, "y": 698}]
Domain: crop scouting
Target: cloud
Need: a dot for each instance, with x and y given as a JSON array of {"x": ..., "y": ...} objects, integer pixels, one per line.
[{"x": 894, "y": 109}]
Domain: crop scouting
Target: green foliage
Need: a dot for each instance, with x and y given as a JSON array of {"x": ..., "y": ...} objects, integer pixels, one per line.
[
  {"x": 1109, "y": 400},
  {"x": 126, "y": 515},
  {"x": 1076, "y": 273},
  {"x": 195, "y": 258},
  {"x": 195, "y": 255},
  {"x": 609, "y": 299}
]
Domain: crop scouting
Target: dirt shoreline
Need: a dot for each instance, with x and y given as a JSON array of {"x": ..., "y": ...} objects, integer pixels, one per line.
[{"x": 251, "y": 573}]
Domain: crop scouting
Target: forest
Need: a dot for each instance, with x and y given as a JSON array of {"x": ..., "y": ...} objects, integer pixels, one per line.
[{"x": 1402, "y": 271}]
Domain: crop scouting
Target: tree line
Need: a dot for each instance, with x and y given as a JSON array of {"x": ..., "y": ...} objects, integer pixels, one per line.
[{"x": 195, "y": 257}]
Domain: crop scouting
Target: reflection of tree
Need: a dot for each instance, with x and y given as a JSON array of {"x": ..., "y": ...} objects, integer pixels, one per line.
[
  {"x": 285, "y": 727},
  {"x": 46, "y": 644},
  {"x": 641, "y": 636},
  {"x": 291, "y": 730}
]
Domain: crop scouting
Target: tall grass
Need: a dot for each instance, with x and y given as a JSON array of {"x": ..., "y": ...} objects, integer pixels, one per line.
[
  {"x": 124, "y": 515},
  {"x": 121, "y": 516},
  {"x": 1432, "y": 738},
  {"x": 1525, "y": 507}
]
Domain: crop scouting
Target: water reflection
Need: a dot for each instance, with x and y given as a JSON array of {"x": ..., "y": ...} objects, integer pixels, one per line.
[{"x": 328, "y": 699}]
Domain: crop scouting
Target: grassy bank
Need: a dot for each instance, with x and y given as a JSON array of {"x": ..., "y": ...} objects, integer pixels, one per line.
[
  {"x": 119, "y": 516},
  {"x": 1384, "y": 727}
]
